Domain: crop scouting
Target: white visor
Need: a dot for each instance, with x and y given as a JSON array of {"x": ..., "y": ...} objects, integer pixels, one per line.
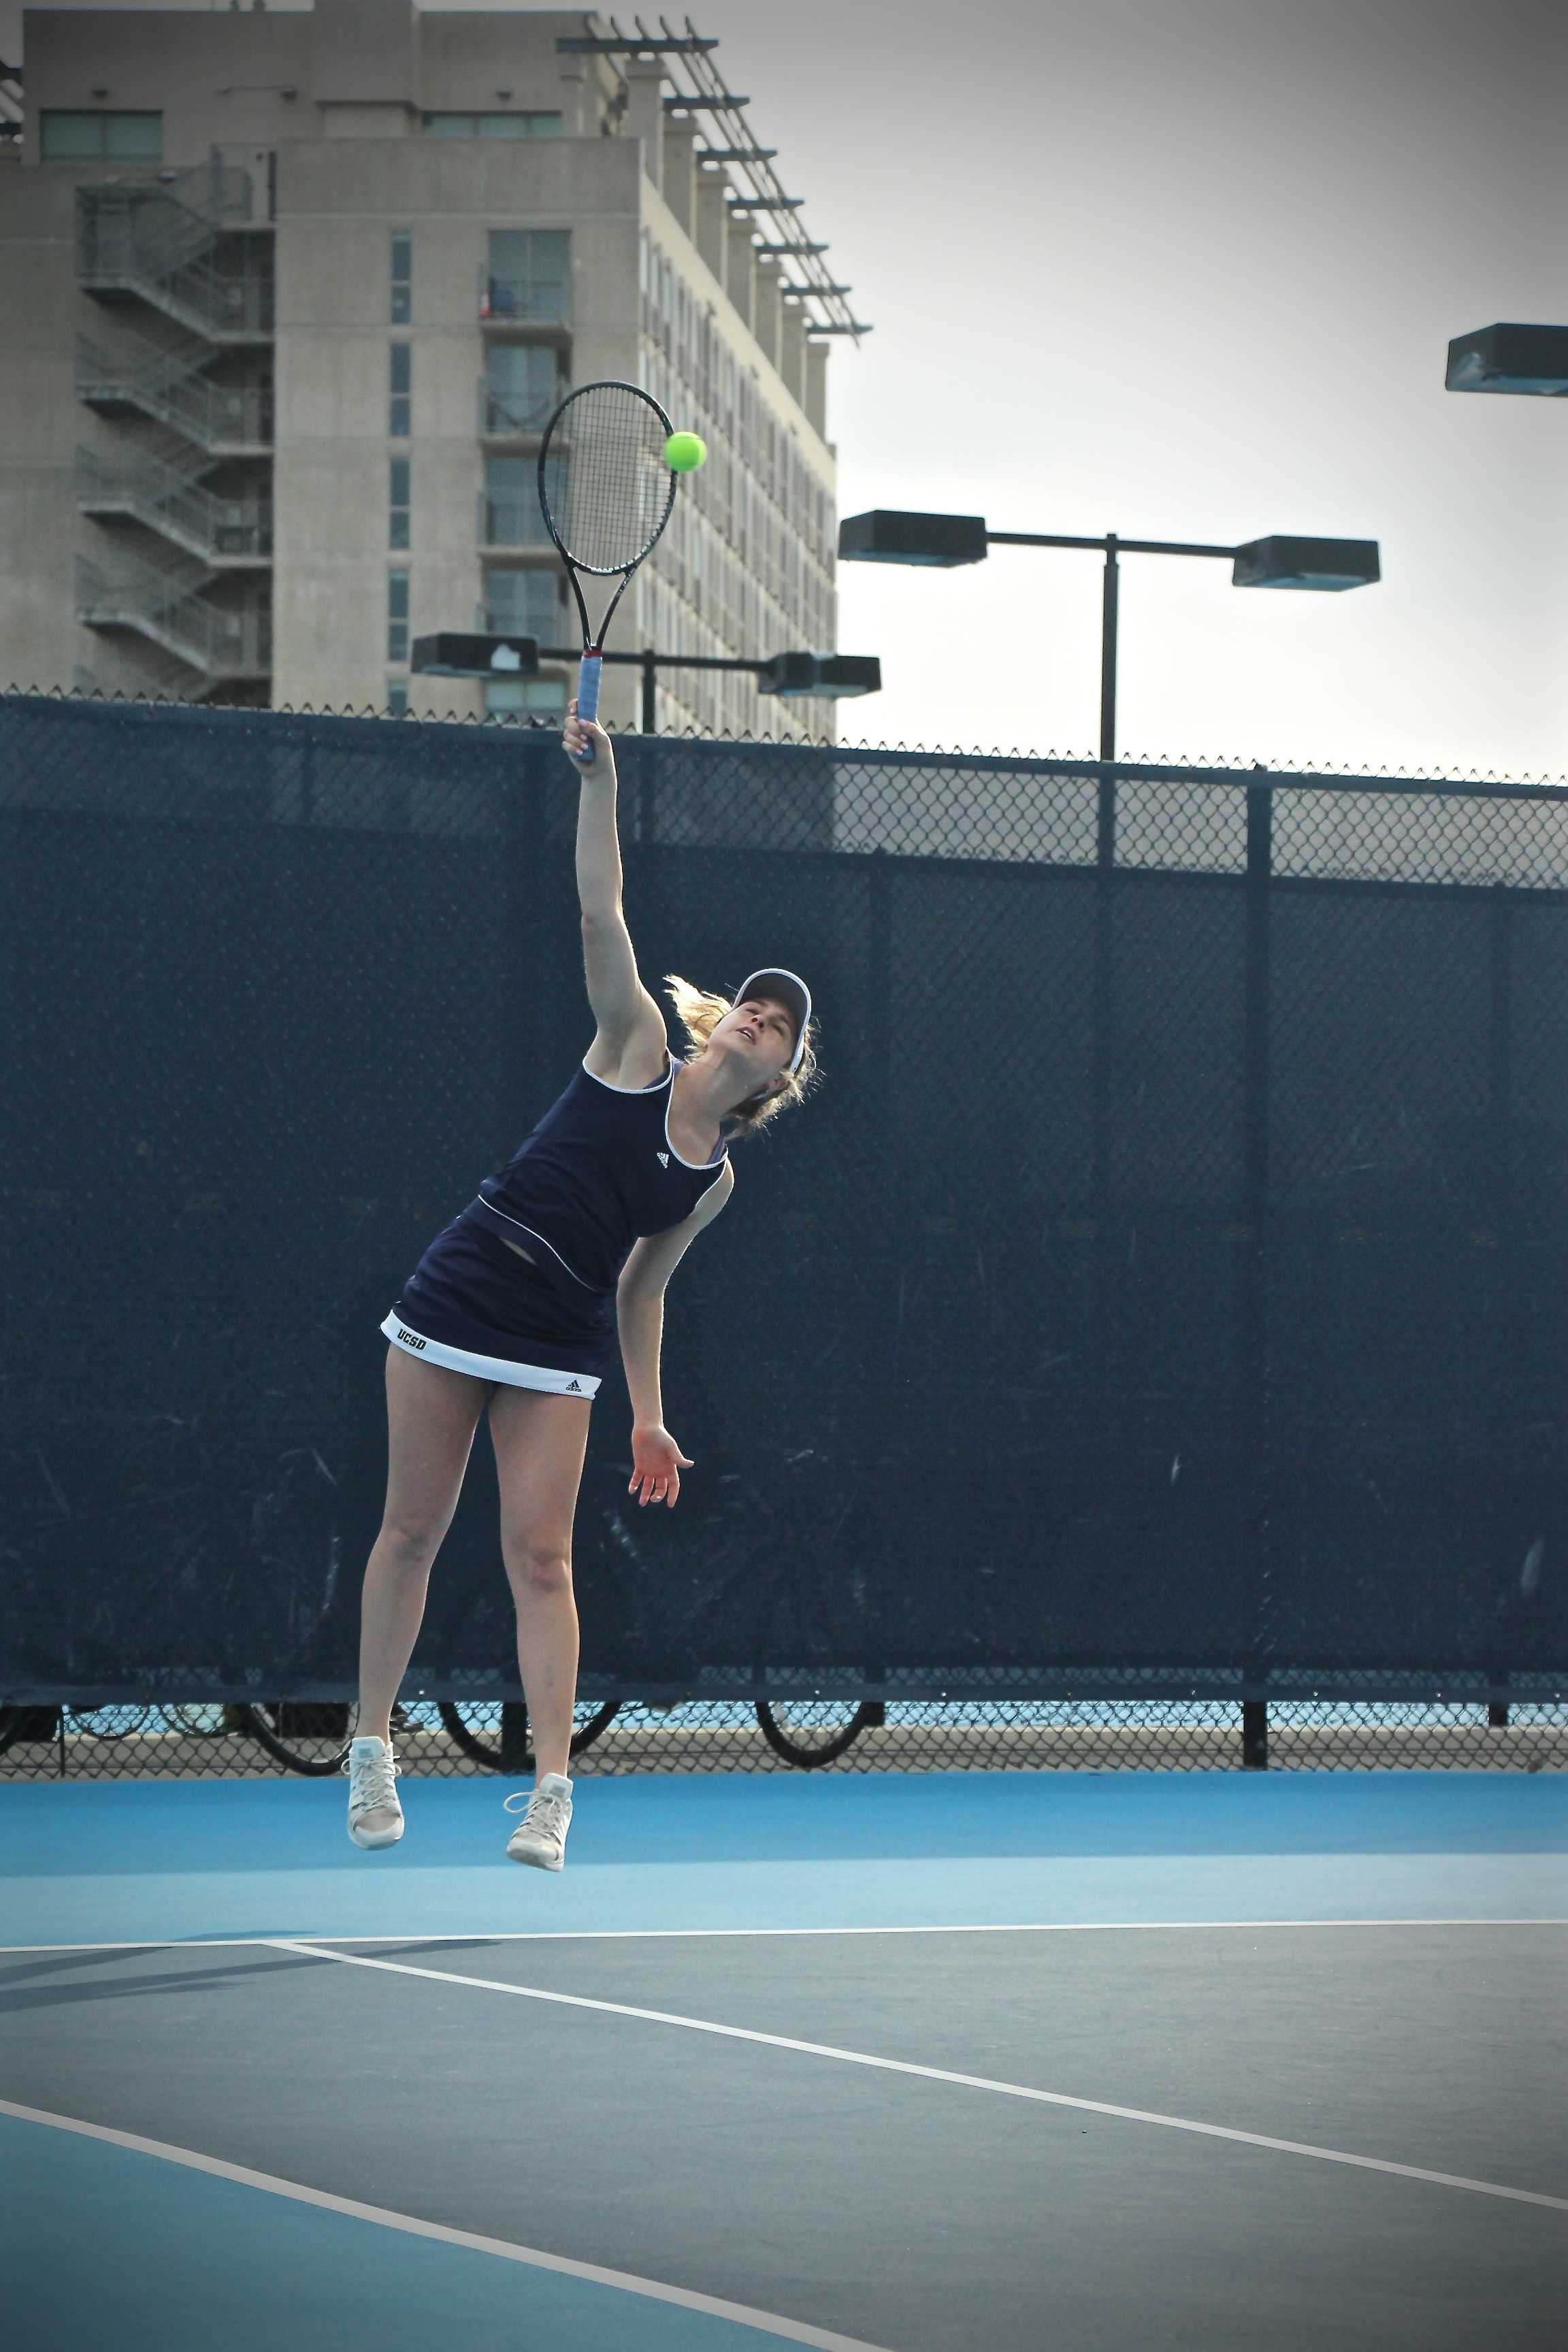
[{"x": 786, "y": 988}]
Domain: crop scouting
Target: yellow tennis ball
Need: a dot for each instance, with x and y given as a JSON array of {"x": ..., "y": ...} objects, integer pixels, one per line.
[{"x": 684, "y": 452}]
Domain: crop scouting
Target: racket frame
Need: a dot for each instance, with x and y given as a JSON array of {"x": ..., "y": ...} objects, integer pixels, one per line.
[{"x": 591, "y": 663}]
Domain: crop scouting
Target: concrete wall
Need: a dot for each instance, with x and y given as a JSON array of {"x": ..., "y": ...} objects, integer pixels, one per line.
[
  {"x": 39, "y": 414},
  {"x": 371, "y": 66},
  {"x": 206, "y": 73},
  {"x": 337, "y": 208}
]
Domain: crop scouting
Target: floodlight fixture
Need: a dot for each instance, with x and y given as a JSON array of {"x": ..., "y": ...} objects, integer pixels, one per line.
[
  {"x": 1323, "y": 564},
  {"x": 1510, "y": 358},
  {"x": 936, "y": 541},
  {"x": 453, "y": 654},
  {"x": 832, "y": 675}
]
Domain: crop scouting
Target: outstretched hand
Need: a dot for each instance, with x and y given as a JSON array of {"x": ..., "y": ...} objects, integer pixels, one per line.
[
  {"x": 657, "y": 1465},
  {"x": 584, "y": 740}
]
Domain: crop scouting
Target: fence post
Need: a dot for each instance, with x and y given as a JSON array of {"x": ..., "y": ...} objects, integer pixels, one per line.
[
  {"x": 1102, "y": 1046},
  {"x": 1501, "y": 1214},
  {"x": 886, "y": 1160},
  {"x": 1254, "y": 1418}
]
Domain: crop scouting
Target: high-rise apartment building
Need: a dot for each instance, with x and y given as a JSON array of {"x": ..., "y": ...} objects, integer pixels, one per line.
[{"x": 289, "y": 295}]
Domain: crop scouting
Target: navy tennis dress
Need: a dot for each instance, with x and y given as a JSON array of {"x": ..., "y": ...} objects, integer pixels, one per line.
[{"x": 598, "y": 1172}]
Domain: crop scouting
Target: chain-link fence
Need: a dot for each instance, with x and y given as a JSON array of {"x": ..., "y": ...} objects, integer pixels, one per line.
[{"x": 1148, "y": 1345}]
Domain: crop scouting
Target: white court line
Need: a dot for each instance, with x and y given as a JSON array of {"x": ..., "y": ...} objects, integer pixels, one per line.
[
  {"x": 666, "y": 1935},
  {"x": 931, "y": 2074},
  {"x": 767, "y": 2321}
]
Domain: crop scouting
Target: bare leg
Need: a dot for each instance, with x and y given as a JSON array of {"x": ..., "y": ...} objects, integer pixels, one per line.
[
  {"x": 547, "y": 1648},
  {"x": 431, "y": 1416},
  {"x": 539, "y": 1442}
]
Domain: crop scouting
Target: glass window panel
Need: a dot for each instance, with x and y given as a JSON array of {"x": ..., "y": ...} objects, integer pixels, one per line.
[
  {"x": 397, "y": 481},
  {"x": 396, "y": 696},
  {"x": 512, "y": 518},
  {"x": 524, "y": 380},
  {"x": 67, "y": 137},
  {"x": 401, "y": 366},
  {"x": 530, "y": 273},
  {"x": 510, "y": 478},
  {"x": 398, "y": 417},
  {"x": 402, "y": 279},
  {"x": 526, "y": 697},
  {"x": 133, "y": 138},
  {"x": 90, "y": 138},
  {"x": 397, "y": 595},
  {"x": 525, "y": 605}
]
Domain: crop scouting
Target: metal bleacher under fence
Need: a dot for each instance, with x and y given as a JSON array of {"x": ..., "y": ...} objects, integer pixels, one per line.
[{"x": 1161, "y": 1305}]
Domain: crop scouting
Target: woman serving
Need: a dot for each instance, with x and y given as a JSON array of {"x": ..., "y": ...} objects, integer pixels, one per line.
[{"x": 516, "y": 1306}]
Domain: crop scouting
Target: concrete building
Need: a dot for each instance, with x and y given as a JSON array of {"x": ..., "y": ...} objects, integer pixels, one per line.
[{"x": 289, "y": 295}]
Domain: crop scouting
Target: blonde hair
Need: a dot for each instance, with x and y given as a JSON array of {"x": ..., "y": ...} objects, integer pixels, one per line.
[{"x": 700, "y": 1012}]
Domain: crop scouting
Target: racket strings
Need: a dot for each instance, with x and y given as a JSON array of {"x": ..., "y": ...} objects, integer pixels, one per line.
[{"x": 603, "y": 477}]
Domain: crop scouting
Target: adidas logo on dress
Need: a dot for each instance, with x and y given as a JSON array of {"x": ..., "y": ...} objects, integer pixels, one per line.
[{"x": 663, "y": 1158}]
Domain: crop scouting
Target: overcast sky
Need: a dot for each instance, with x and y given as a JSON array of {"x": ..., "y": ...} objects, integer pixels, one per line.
[{"x": 1186, "y": 269}]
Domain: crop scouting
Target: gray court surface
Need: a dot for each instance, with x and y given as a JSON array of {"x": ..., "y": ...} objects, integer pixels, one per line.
[{"x": 911, "y": 2212}]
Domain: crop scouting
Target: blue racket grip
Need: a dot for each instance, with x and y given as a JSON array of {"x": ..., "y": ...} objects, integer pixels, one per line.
[{"x": 588, "y": 699}]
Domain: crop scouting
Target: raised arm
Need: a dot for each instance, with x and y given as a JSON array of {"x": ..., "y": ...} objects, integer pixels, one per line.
[{"x": 628, "y": 1044}]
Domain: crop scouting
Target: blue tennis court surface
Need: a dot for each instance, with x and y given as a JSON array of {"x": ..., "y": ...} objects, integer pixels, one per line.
[
  {"x": 1176, "y": 2059},
  {"x": 114, "y": 1863}
]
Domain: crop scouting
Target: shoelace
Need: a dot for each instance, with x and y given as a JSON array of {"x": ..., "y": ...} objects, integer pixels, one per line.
[
  {"x": 546, "y": 1810},
  {"x": 370, "y": 1780}
]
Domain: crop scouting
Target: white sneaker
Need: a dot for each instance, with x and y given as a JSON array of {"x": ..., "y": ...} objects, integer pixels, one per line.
[
  {"x": 541, "y": 1836},
  {"x": 376, "y": 1816}
]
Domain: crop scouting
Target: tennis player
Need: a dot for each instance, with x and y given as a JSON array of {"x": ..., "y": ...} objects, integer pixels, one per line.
[{"x": 515, "y": 1309}]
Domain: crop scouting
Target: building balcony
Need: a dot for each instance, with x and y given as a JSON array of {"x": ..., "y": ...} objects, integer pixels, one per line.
[
  {"x": 512, "y": 526},
  {"x": 224, "y": 644},
  {"x": 518, "y": 416},
  {"x": 224, "y": 420},
  {"x": 543, "y": 305},
  {"x": 226, "y": 534}
]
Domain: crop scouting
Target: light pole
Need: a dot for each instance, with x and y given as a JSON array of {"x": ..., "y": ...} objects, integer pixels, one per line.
[
  {"x": 1510, "y": 358},
  {"x": 944, "y": 541},
  {"x": 832, "y": 676}
]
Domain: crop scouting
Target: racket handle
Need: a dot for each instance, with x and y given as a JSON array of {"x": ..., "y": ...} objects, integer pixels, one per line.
[{"x": 588, "y": 697}]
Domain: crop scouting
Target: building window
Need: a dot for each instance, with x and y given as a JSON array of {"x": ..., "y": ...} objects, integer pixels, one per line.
[
  {"x": 524, "y": 604},
  {"x": 397, "y": 474},
  {"x": 529, "y": 275},
  {"x": 400, "y": 378},
  {"x": 526, "y": 701},
  {"x": 509, "y": 514},
  {"x": 397, "y": 616},
  {"x": 492, "y": 126},
  {"x": 101, "y": 138},
  {"x": 523, "y": 385},
  {"x": 397, "y": 697},
  {"x": 401, "y": 277}
]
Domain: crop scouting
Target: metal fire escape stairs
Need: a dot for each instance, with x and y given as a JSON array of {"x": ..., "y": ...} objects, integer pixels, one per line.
[{"x": 183, "y": 267}]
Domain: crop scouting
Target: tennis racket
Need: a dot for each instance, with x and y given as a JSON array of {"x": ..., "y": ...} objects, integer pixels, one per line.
[{"x": 605, "y": 491}]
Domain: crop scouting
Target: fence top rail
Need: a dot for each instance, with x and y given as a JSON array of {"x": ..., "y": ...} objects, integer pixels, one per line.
[{"x": 101, "y": 707}]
